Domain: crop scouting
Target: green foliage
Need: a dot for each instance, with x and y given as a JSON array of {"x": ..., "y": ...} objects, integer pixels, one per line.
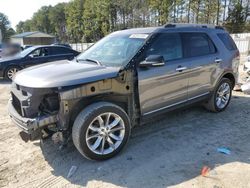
[
  {"x": 41, "y": 20},
  {"x": 74, "y": 20},
  {"x": 161, "y": 9},
  {"x": 5, "y": 28},
  {"x": 235, "y": 22},
  {"x": 96, "y": 19},
  {"x": 90, "y": 20},
  {"x": 24, "y": 26},
  {"x": 57, "y": 19}
]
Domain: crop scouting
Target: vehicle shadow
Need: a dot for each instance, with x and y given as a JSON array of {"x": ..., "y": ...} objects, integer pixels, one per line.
[
  {"x": 169, "y": 151},
  {"x": 4, "y": 81}
]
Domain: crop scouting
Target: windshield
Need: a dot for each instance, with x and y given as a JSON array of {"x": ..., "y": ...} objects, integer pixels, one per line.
[
  {"x": 114, "y": 50},
  {"x": 26, "y": 51}
]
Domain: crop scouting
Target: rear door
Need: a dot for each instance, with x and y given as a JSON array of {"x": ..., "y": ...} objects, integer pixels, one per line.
[
  {"x": 60, "y": 53},
  {"x": 204, "y": 62},
  {"x": 165, "y": 86}
]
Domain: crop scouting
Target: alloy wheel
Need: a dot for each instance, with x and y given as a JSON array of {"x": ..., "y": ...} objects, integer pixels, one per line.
[
  {"x": 11, "y": 72},
  {"x": 105, "y": 133},
  {"x": 223, "y": 95}
]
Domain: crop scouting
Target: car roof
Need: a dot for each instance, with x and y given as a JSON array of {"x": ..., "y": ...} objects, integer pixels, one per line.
[
  {"x": 173, "y": 27},
  {"x": 51, "y": 46},
  {"x": 39, "y": 46}
]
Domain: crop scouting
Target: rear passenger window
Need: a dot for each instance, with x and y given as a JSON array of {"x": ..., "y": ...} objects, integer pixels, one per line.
[
  {"x": 168, "y": 45},
  {"x": 197, "y": 44},
  {"x": 227, "y": 41},
  {"x": 57, "y": 51}
]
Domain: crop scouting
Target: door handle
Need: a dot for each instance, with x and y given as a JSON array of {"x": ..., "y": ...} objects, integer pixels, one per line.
[
  {"x": 217, "y": 60},
  {"x": 180, "y": 69}
]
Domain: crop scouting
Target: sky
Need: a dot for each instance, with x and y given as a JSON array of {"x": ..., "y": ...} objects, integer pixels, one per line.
[{"x": 21, "y": 10}]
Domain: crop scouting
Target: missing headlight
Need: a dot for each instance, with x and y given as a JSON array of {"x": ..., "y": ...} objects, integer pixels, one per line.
[{"x": 50, "y": 104}]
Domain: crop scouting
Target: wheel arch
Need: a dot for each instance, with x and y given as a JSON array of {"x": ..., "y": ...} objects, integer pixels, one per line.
[
  {"x": 119, "y": 100},
  {"x": 231, "y": 77}
]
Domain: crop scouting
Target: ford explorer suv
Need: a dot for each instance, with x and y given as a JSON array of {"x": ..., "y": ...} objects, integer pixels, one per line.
[{"x": 126, "y": 78}]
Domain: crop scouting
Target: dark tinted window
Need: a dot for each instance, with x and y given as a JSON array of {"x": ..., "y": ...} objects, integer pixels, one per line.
[
  {"x": 58, "y": 50},
  {"x": 227, "y": 40},
  {"x": 168, "y": 45},
  {"x": 197, "y": 44}
]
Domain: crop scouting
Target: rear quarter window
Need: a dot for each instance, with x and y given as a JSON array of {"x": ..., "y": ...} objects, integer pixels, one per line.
[
  {"x": 227, "y": 41},
  {"x": 58, "y": 51}
]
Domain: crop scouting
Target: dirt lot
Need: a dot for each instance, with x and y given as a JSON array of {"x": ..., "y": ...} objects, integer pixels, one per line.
[{"x": 167, "y": 153}]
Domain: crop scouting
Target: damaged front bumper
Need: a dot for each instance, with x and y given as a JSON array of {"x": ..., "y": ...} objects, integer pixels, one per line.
[{"x": 31, "y": 126}]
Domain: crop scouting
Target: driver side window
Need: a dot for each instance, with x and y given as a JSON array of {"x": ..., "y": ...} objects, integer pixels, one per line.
[
  {"x": 167, "y": 45},
  {"x": 40, "y": 52},
  {"x": 35, "y": 53}
]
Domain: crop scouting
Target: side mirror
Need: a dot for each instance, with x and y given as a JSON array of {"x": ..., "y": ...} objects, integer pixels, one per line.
[{"x": 153, "y": 61}]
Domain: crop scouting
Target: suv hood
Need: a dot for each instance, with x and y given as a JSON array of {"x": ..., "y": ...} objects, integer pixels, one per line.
[{"x": 63, "y": 73}]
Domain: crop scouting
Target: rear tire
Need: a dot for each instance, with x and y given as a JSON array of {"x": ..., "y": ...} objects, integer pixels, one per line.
[
  {"x": 11, "y": 71},
  {"x": 221, "y": 96},
  {"x": 101, "y": 130}
]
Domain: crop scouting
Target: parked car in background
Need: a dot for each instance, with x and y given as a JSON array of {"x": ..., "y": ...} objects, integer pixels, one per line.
[
  {"x": 34, "y": 56},
  {"x": 126, "y": 78}
]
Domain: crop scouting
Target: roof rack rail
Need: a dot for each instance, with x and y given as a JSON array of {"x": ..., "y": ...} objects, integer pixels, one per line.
[
  {"x": 219, "y": 27},
  {"x": 171, "y": 25}
]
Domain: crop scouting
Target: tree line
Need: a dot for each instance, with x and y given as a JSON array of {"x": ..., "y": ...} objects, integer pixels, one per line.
[
  {"x": 90, "y": 20},
  {"x": 5, "y": 28}
]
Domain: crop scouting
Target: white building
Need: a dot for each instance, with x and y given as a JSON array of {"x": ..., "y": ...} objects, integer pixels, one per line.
[{"x": 33, "y": 38}]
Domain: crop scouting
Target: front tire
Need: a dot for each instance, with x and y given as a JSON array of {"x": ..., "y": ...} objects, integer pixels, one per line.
[
  {"x": 101, "y": 130},
  {"x": 11, "y": 71},
  {"x": 221, "y": 96}
]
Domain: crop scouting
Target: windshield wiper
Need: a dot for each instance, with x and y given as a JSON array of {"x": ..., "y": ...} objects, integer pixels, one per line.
[{"x": 91, "y": 60}]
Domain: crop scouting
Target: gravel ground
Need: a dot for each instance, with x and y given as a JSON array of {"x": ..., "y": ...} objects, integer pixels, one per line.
[{"x": 169, "y": 152}]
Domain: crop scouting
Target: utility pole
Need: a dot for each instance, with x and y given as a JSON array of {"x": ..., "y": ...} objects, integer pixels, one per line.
[
  {"x": 1, "y": 37},
  {"x": 218, "y": 12},
  {"x": 224, "y": 11}
]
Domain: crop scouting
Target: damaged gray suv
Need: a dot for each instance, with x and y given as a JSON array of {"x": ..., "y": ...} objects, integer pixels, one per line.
[{"x": 125, "y": 79}]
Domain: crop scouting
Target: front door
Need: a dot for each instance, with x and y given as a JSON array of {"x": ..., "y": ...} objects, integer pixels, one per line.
[
  {"x": 165, "y": 86},
  {"x": 38, "y": 56}
]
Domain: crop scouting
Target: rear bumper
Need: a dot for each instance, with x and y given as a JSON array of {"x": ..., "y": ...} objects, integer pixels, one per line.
[{"x": 31, "y": 126}]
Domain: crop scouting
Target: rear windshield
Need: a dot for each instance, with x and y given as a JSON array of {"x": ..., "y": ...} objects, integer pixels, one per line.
[{"x": 227, "y": 41}]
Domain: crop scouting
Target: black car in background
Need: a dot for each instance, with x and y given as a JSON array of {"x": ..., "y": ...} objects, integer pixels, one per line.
[{"x": 34, "y": 56}]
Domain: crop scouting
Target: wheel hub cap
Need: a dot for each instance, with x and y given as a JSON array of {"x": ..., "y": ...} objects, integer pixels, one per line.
[
  {"x": 105, "y": 133},
  {"x": 11, "y": 72},
  {"x": 223, "y": 95}
]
